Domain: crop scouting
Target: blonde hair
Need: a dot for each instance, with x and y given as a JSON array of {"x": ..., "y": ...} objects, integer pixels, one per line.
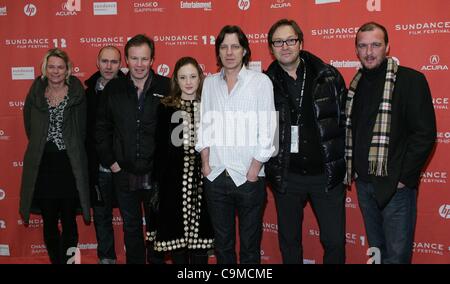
[{"x": 60, "y": 54}]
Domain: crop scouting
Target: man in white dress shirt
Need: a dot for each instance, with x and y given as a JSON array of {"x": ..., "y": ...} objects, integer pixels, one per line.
[{"x": 235, "y": 139}]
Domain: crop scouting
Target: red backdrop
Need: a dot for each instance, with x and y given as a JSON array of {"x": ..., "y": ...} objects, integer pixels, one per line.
[{"x": 419, "y": 36}]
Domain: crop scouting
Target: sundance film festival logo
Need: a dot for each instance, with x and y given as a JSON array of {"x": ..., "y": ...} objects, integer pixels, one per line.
[
  {"x": 30, "y": 10},
  {"x": 434, "y": 177},
  {"x": 105, "y": 8},
  {"x": 163, "y": 70},
  {"x": 428, "y": 248},
  {"x": 207, "y": 6},
  {"x": 244, "y": 5},
  {"x": 69, "y": 8},
  {"x": 2, "y": 194},
  {"x": 32, "y": 43},
  {"x": 257, "y": 38},
  {"x": 440, "y": 103},
  {"x": 17, "y": 164},
  {"x": 444, "y": 211},
  {"x": 22, "y": 73},
  {"x": 354, "y": 239},
  {"x": 3, "y": 11},
  {"x": 417, "y": 29},
  {"x": 280, "y": 4},
  {"x": 443, "y": 137},
  {"x": 101, "y": 41},
  {"x": 354, "y": 64},
  {"x": 148, "y": 7},
  {"x": 335, "y": 33},
  {"x": 16, "y": 104},
  {"x": 32, "y": 223},
  {"x": 270, "y": 227},
  {"x": 172, "y": 40},
  {"x": 434, "y": 64}
]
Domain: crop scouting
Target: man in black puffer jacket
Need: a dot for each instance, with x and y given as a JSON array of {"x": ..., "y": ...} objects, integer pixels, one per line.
[{"x": 310, "y": 99}]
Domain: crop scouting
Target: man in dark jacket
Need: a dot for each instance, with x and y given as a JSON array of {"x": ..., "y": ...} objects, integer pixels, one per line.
[
  {"x": 100, "y": 178},
  {"x": 125, "y": 131},
  {"x": 310, "y": 165},
  {"x": 391, "y": 130}
]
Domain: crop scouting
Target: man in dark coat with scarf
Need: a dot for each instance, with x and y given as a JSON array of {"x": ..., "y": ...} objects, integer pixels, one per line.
[{"x": 390, "y": 133}]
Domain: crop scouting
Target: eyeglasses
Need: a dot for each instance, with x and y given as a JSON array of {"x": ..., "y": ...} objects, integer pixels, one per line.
[{"x": 288, "y": 42}]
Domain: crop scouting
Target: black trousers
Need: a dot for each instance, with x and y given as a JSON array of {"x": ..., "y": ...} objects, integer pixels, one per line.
[
  {"x": 224, "y": 200},
  {"x": 329, "y": 208},
  {"x": 58, "y": 243}
]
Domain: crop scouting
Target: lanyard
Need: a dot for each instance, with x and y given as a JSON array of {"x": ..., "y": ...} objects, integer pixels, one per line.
[{"x": 302, "y": 91}]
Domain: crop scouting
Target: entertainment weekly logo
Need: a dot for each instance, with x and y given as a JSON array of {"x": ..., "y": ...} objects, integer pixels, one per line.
[
  {"x": 429, "y": 248},
  {"x": 433, "y": 64},
  {"x": 424, "y": 28},
  {"x": 335, "y": 32},
  {"x": 206, "y": 6},
  {"x": 178, "y": 40},
  {"x": 101, "y": 41},
  {"x": 148, "y": 7},
  {"x": 434, "y": 177},
  {"x": 280, "y": 4},
  {"x": 353, "y": 64}
]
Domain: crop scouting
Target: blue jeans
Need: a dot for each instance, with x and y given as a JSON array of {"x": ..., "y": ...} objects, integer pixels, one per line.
[
  {"x": 103, "y": 218},
  {"x": 224, "y": 198},
  {"x": 391, "y": 229}
]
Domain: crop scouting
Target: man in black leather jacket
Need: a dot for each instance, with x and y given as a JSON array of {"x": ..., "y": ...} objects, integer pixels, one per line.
[
  {"x": 125, "y": 137},
  {"x": 310, "y": 165}
]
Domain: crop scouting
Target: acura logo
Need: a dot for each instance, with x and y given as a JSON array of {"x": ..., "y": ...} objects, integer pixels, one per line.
[{"x": 434, "y": 59}]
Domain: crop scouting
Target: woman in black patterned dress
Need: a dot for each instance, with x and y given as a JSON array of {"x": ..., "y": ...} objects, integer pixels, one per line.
[{"x": 182, "y": 225}]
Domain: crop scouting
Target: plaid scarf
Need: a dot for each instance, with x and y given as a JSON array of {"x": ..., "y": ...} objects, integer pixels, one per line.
[{"x": 378, "y": 152}]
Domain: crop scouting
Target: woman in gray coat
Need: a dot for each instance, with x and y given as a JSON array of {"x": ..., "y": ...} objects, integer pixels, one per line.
[{"x": 54, "y": 178}]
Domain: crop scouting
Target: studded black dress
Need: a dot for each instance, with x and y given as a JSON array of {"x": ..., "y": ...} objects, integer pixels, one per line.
[{"x": 182, "y": 221}]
